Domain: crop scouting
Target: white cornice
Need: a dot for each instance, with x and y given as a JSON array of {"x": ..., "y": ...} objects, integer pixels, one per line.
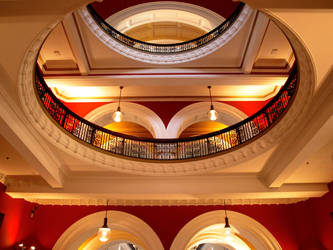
[
  {"x": 194, "y": 202},
  {"x": 87, "y": 189},
  {"x": 168, "y": 58}
]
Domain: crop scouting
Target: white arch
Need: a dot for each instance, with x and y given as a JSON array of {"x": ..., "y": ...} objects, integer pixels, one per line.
[
  {"x": 84, "y": 228},
  {"x": 133, "y": 112},
  {"x": 250, "y": 229},
  {"x": 197, "y": 112},
  {"x": 197, "y": 12},
  {"x": 175, "y": 58}
]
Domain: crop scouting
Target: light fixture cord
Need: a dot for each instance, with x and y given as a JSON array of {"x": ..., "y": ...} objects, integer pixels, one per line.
[
  {"x": 106, "y": 210},
  {"x": 121, "y": 88},
  {"x": 225, "y": 209},
  {"x": 210, "y": 95}
]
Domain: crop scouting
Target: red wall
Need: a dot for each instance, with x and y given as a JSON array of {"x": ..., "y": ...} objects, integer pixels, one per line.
[
  {"x": 108, "y": 7},
  {"x": 166, "y": 110},
  {"x": 304, "y": 225}
]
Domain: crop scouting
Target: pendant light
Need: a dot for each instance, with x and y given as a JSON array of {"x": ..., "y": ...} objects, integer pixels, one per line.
[
  {"x": 212, "y": 114},
  {"x": 118, "y": 115},
  {"x": 104, "y": 231},
  {"x": 227, "y": 227}
]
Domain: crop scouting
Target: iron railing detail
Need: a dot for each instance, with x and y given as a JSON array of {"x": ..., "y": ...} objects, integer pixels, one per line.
[
  {"x": 167, "y": 149},
  {"x": 165, "y": 48}
]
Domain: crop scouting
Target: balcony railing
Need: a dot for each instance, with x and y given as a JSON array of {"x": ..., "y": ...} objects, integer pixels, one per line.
[
  {"x": 167, "y": 149},
  {"x": 165, "y": 48}
]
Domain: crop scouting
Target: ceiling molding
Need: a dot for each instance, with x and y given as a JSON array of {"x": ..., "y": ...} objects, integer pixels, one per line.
[
  {"x": 89, "y": 189},
  {"x": 200, "y": 202},
  {"x": 169, "y": 58},
  {"x": 214, "y": 18}
]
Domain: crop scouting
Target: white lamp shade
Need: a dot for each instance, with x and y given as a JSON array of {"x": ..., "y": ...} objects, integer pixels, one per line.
[
  {"x": 104, "y": 234},
  {"x": 117, "y": 116},
  {"x": 227, "y": 230},
  {"x": 212, "y": 115}
]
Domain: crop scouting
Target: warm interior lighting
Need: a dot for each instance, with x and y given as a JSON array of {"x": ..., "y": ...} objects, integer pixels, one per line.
[
  {"x": 117, "y": 115},
  {"x": 33, "y": 248},
  {"x": 212, "y": 114},
  {"x": 104, "y": 232}
]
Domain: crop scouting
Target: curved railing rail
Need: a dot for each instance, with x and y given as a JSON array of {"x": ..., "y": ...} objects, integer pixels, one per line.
[
  {"x": 165, "y": 48},
  {"x": 167, "y": 149}
]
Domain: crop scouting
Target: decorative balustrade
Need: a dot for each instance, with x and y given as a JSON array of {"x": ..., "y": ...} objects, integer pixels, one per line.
[
  {"x": 166, "y": 48},
  {"x": 168, "y": 149}
]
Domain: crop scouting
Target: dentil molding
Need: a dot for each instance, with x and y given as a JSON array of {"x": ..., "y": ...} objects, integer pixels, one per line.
[{"x": 167, "y": 202}]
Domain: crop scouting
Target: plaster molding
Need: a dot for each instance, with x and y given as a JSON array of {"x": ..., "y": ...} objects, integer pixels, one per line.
[
  {"x": 214, "y": 18},
  {"x": 174, "y": 202},
  {"x": 166, "y": 58},
  {"x": 54, "y": 134}
]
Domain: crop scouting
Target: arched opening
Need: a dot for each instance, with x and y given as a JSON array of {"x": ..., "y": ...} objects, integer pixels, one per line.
[
  {"x": 119, "y": 240},
  {"x": 197, "y": 112},
  {"x": 201, "y": 128},
  {"x": 133, "y": 114},
  {"x": 208, "y": 229},
  {"x": 129, "y": 128},
  {"x": 125, "y": 228}
]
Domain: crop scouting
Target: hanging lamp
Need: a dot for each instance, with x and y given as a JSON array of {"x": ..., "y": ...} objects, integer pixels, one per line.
[
  {"x": 212, "y": 114},
  {"x": 227, "y": 227},
  {"x": 118, "y": 115},
  {"x": 104, "y": 231}
]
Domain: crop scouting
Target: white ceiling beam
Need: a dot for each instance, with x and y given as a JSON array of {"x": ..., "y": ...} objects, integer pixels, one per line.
[
  {"x": 257, "y": 36},
  {"x": 75, "y": 42},
  {"x": 133, "y": 188},
  {"x": 169, "y": 79},
  {"x": 15, "y": 128},
  {"x": 314, "y": 132}
]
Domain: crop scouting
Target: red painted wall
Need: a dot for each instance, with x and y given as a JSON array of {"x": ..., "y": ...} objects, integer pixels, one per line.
[
  {"x": 108, "y": 7},
  {"x": 304, "y": 225},
  {"x": 166, "y": 110},
  {"x": 16, "y": 225}
]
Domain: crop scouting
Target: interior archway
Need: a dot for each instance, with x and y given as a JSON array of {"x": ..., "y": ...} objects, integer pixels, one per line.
[
  {"x": 202, "y": 229},
  {"x": 133, "y": 112},
  {"x": 126, "y": 226},
  {"x": 197, "y": 112}
]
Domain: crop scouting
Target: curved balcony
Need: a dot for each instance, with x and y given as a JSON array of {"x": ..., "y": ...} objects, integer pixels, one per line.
[
  {"x": 166, "y": 48},
  {"x": 168, "y": 149}
]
